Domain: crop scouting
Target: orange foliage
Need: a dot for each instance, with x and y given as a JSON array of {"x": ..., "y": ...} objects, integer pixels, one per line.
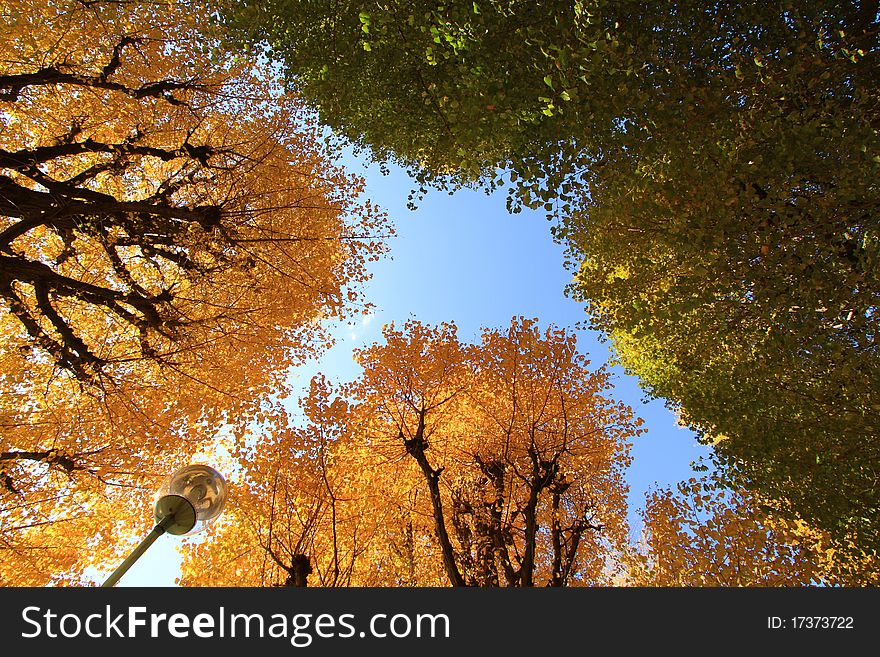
[
  {"x": 499, "y": 463},
  {"x": 171, "y": 236}
]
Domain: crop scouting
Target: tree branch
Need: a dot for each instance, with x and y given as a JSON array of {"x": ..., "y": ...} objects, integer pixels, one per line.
[{"x": 416, "y": 447}]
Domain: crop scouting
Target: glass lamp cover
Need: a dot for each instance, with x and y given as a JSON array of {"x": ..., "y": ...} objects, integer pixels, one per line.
[{"x": 203, "y": 486}]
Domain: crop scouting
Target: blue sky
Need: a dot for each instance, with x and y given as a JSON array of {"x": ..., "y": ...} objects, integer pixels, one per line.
[{"x": 464, "y": 258}]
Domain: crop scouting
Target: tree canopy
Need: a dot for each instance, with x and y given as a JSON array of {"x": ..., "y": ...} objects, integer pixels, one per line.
[
  {"x": 498, "y": 463},
  {"x": 713, "y": 171},
  {"x": 171, "y": 235},
  {"x": 732, "y": 260}
]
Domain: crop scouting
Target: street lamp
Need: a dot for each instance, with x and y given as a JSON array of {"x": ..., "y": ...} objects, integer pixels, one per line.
[{"x": 187, "y": 502}]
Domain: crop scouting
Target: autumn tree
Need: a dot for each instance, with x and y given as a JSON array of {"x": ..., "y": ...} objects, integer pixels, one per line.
[
  {"x": 521, "y": 452},
  {"x": 491, "y": 464},
  {"x": 171, "y": 235},
  {"x": 312, "y": 505},
  {"x": 294, "y": 517},
  {"x": 714, "y": 171}
]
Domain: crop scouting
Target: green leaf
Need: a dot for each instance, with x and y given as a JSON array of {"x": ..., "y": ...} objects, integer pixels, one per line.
[{"x": 548, "y": 80}]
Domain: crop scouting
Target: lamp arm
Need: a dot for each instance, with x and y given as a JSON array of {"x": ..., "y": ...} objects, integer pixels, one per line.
[{"x": 157, "y": 531}]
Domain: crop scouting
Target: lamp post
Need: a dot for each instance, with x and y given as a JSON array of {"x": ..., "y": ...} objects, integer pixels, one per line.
[{"x": 188, "y": 501}]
